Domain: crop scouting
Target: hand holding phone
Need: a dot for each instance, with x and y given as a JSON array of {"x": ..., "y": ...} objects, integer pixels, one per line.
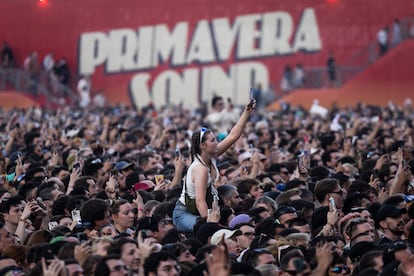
[
  {"x": 252, "y": 102},
  {"x": 52, "y": 225},
  {"x": 332, "y": 205},
  {"x": 159, "y": 178},
  {"x": 177, "y": 152},
  {"x": 251, "y": 93},
  {"x": 76, "y": 216}
]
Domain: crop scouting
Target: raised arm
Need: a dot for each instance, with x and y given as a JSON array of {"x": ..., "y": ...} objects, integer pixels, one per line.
[{"x": 237, "y": 129}]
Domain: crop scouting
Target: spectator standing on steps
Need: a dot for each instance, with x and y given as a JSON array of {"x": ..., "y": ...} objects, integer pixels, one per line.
[
  {"x": 62, "y": 71},
  {"x": 382, "y": 39},
  {"x": 396, "y": 33},
  {"x": 331, "y": 67},
  {"x": 7, "y": 56},
  {"x": 84, "y": 90},
  {"x": 298, "y": 76}
]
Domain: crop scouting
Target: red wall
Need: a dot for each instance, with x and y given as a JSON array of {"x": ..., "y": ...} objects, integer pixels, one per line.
[{"x": 345, "y": 26}]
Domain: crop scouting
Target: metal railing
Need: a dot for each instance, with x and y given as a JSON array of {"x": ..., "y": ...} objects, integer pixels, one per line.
[
  {"x": 55, "y": 95},
  {"x": 317, "y": 77}
]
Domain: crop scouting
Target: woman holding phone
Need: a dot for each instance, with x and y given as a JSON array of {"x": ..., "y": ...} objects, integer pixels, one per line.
[{"x": 198, "y": 191}]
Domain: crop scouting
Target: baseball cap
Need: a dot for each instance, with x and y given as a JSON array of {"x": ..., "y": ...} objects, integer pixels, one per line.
[
  {"x": 284, "y": 210},
  {"x": 206, "y": 230},
  {"x": 388, "y": 211},
  {"x": 391, "y": 249},
  {"x": 359, "y": 249},
  {"x": 228, "y": 234},
  {"x": 142, "y": 186},
  {"x": 242, "y": 218},
  {"x": 122, "y": 165}
]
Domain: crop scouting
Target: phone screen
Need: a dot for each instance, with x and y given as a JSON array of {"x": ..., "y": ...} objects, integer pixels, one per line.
[
  {"x": 332, "y": 204},
  {"x": 251, "y": 93},
  {"x": 76, "y": 216},
  {"x": 159, "y": 178},
  {"x": 177, "y": 151}
]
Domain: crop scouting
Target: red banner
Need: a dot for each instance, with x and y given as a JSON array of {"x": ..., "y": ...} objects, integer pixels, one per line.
[{"x": 184, "y": 51}]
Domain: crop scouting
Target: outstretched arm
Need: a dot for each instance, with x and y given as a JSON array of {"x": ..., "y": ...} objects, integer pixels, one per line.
[{"x": 237, "y": 129}]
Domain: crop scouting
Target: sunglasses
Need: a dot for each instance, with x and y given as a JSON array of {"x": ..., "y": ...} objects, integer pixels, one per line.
[
  {"x": 366, "y": 233},
  {"x": 338, "y": 269},
  {"x": 203, "y": 131},
  {"x": 337, "y": 192},
  {"x": 351, "y": 226}
]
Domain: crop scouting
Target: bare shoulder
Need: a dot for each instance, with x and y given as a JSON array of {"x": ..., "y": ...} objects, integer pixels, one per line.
[{"x": 199, "y": 169}]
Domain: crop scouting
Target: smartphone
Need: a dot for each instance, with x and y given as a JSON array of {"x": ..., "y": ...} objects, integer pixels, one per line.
[
  {"x": 251, "y": 94},
  {"x": 177, "y": 151},
  {"x": 159, "y": 178},
  {"x": 215, "y": 203},
  {"x": 76, "y": 216},
  {"x": 300, "y": 161},
  {"x": 40, "y": 202},
  {"x": 332, "y": 205},
  {"x": 52, "y": 225},
  {"x": 354, "y": 139},
  {"x": 76, "y": 165}
]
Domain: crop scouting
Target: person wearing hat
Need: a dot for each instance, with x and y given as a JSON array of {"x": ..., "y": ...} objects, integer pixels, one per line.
[
  {"x": 390, "y": 223},
  {"x": 396, "y": 251},
  {"x": 246, "y": 238},
  {"x": 94, "y": 167},
  {"x": 206, "y": 230},
  {"x": 230, "y": 239},
  {"x": 121, "y": 170},
  {"x": 124, "y": 167},
  {"x": 285, "y": 214}
]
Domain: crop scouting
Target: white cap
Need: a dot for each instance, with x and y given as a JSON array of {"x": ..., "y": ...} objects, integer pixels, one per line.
[{"x": 228, "y": 234}]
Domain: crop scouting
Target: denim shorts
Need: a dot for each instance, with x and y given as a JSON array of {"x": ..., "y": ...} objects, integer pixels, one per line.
[{"x": 183, "y": 220}]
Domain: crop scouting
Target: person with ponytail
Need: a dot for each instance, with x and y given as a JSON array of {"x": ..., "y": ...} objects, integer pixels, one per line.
[{"x": 198, "y": 191}]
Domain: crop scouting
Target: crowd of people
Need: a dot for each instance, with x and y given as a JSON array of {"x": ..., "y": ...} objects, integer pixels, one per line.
[{"x": 234, "y": 190}]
